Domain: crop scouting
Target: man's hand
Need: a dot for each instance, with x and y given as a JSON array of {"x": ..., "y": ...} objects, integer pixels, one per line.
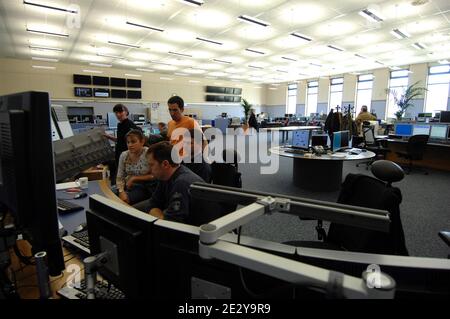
[
  {"x": 156, "y": 212},
  {"x": 123, "y": 196}
]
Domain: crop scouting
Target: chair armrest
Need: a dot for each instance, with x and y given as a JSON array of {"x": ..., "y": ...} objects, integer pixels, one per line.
[{"x": 445, "y": 235}]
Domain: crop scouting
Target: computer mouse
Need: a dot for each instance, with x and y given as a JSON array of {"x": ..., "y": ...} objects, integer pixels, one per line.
[
  {"x": 80, "y": 195},
  {"x": 80, "y": 227}
]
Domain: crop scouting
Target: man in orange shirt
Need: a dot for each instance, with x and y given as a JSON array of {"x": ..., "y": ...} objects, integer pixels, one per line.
[{"x": 176, "y": 108}]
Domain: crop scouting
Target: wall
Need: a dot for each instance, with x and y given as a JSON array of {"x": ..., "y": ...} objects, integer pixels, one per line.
[
  {"x": 323, "y": 95},
  {"x": 275, "y": 100},
  {"x": 18, "y": 75}
]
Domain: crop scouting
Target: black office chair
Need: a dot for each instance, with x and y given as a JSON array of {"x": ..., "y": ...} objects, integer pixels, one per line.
[
  {"x": 370, "y": 143},
  {"x": 414, "y": 151},
  {"x": 366, "y": 191}
]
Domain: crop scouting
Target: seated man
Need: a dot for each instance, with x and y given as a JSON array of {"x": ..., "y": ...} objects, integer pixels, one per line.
[
  {"x": 364, "y": 115},
  {"x": 171, "y": 199},
  {"x": 194, "y": 159}
]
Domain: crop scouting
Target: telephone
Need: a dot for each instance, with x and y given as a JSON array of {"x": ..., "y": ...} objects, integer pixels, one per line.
[{"x": 319, "y": 150}]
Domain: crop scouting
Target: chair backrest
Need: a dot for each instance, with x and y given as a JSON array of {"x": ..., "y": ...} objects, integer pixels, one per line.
[
  {"x": 369, "y": 134},
  {"x": 416, "y": 146},
  {"x": 366, "y": 191}
]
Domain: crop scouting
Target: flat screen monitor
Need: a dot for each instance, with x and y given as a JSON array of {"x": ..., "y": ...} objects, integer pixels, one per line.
[
  {"x": 134, "y": 94},
  {"x": 100, "y": 80},
  {"x": 27, "y": 183},
  {"x": 82, "y": 79},
  {"x": 421, "y": 129},
  {"x": 421, "y": 115},
  {"x": 403, "y": 129},
  {"x": 112, "y": 120},
  {"x": 82, "y": 92},
  {"x": 445, "y": 117},
  {"x": 336, "y": 143},
  {"x": 300, "y": 139},
  {"x": 215, "y": 89},
  {"x": 132, "y": 83},
  {"x": 118, "y": 94},
  {"x": 120, "y": 82},
  {"x": 101, "y": 93},
  {"x": 438, "y": 132},
  {"x": 319, "y": 140}
]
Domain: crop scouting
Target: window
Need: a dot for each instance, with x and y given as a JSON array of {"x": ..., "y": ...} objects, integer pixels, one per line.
[
  {"x": 311, "y": 97},
  {"x": 438, "y": 86},
  {"x": 291, "y": 106},
  {"x": 364, "y": 92},
  {"x": 398, "y": 82},
  {"x": 336, "y": 88}
]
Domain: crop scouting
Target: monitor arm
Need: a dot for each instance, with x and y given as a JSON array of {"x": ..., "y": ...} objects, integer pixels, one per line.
[
  {"x": 336, "y": 284},
  {"x": 91, "y": 265}
]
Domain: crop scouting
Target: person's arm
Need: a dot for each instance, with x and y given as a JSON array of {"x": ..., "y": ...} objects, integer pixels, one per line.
[
  {"x": 178, "y": 205},
  {"x": 110, "y": 137},
  {"x": 121, "y": 173},
  {"x": 139, "y": 178},
  {"x": 156, "y": 201},
  {"x": 156, "y": 212}
]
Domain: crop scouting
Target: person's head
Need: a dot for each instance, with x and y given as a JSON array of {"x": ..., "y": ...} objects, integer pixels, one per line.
[
  {"x": 364, "y": 108},
  {"x": 135, "y": 141},
  {"x": 160, "y": 160},
  {"x": 176, "y": 107},
  {"x": 162, "y": 126},
  {"x": 121, "y": 112}
]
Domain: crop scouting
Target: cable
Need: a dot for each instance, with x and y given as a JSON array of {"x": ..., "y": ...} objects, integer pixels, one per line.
[{"x": 239, "y": 235}]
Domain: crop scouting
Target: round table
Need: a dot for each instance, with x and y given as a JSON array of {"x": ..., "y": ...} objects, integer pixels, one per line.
[{"x": 320, "y": 173}]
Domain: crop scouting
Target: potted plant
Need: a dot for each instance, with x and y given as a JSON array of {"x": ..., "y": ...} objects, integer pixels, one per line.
[
  {"x": 404, "y": 101},
  {"x": 247, "y": 107}
]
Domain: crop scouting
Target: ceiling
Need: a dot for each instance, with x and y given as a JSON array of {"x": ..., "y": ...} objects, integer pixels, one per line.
[{"x": 99, "y": 24}]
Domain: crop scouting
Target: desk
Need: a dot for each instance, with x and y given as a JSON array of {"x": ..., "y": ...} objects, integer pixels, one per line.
[
  {"x": 436, "y": 155},
  {"x": 287, "y": 129},
  {"x": 319, "y": 173}
]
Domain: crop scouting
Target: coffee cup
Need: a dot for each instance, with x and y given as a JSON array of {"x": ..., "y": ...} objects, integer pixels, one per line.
[{"x": 83, "y": 182}]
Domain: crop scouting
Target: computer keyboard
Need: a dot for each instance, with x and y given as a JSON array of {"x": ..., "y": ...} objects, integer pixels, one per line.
[
  {"x": 81, "y": 238},
  {"x": 65, "y": 207},
  {"x": 294, "y": 151},
  {"x": 102, "y": 291}
]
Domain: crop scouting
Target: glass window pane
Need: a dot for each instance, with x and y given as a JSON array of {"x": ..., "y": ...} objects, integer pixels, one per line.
[
  {"x": 398, "y": 82},
  {"x": 311, "y": 106},
  {"x": 292, "y": 86},
  {"x": 337, "y": 88},
  {"x": 365, "y": 85},
  {"x": 337, "y": 81},
  {"x": 313, "y": 83},
  {"x": 399, "y": 73},
  {"x": 363, "y": 97},
  {"x": 335, "y": 100},
  {"x": 365, "y": 77},
  {"x": 439, "y": 78},
  {"x": 439, "y": 69},
  {"x": 313, "y": 90},
  {"x": 437, "y": 97}
]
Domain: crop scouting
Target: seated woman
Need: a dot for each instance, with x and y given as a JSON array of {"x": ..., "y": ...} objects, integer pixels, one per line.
[{"x": 134, "y": 180}]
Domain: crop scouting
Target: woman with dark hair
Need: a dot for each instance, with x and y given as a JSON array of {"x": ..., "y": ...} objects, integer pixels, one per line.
[{"x": 134, "y": 180}]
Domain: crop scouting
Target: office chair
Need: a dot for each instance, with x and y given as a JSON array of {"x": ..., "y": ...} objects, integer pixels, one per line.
[
  {"x": 445, "y": 236},
  {"x": 372, "y": 192},
  {"x": 370, "y": 143},
  {"x": 414, "y": 151}
]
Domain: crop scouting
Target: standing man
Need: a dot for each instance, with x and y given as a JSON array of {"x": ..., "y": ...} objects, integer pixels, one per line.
[
  {"x": 176, "y": 109},
  {"x": 123, "y": 127}
]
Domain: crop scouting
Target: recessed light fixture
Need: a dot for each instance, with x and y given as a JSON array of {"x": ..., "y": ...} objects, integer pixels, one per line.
[
  {"x": 394, "y": 68},
  {"x": 102, "y": 65},
  {"x": 275, "y": 84},
  {"x": 335, "y": 47},
  {"x": 301, "y": 36},
  {"x": 144, "y": 26},
  {"x": 135, "y": 75},
  {"x": 196, "y": 3},
  {"x": 49, "y": 7},
  {"x": 360, "y": 56},
  {"x": 221, "y": 61},
  {"x": 166, "y": 79},
  {"x": 370, "y": 15},
  {"x": 379, "y": 62},
  {"x": 273, "y": 88},
  {"x": 257, "y": 87},
  {"x": 145, "y": 70},
  {"x": 161, "y": 63},
  {"x": 419, "y": 46},
  {"x": 111, "y": 56},
  {"x": 44, "y": 67},
  {"x": 282, "y": 71},
  {"x": 54, "y": 34},
  {"x": 443, "y": 62},
  {"x": 180, "y": 54},
  {"x": 44, "y": 59},
  {"x": 39, "y": 48},
  {"x": 255, "y": 67},
  {"x": 255, "y": 51},
  {"x": 209, "y": 41},
  {"x": 289, "y": 59},
  {"x": 253, "y": 20},
  {"x": 92, "y": 71},
  {"x": 210, "y": 77},
  {"x": 315, "y": 64},
  {"x": 400, "y": 34},
  {"x": 194, "y": 81},
  {"x": 124, "y": 44}
]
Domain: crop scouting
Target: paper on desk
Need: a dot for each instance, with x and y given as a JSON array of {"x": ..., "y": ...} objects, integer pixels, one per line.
[{"x": 68, "y": 185}]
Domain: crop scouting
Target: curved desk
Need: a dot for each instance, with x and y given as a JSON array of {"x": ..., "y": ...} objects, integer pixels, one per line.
[
  {"x": 320, "y": 173},
  {"x": 286, "y": 129}
]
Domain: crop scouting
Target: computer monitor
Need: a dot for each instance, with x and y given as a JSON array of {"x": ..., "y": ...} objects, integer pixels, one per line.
[
  {"x": 112, "y": 120},
  {"x": 300, "y": 139},
  {"x": 340, "y": 140},
  {"x": 27, "y": 175},
  {"x": 438, "y": 132},
  {"x": 319, "y": 140},
  {"x": 445, "y": 117},
  {"x": 421, "y": 129},
  {"x": 425, "y": 115},
  {"x": 403, "y": 129}
]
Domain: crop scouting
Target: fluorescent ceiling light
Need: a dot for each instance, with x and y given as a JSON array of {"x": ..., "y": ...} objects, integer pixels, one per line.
[
  {"x": 254, "y": 51},
  {"x": 400, "y": 34},
  {"x": 273, "y": 89},
  {"x": 395, "y": 68},
  {"x": 180, "y": 54},
  {"x": 197, "y": 3},
  {"x": 145, "y": 26},
  {"x": 210, "y": 77},
  {"x": 162, "y": 63},
  {"x": 164, "y": 78},
  {"x": 209, "y": 41},
  {"x": 443, "y": 62},
  {"x": 301, "y": 36},
  {"x": 282, "y": 71},
  {"x": 64, "y": 35},
  {"x": 257, "y": 87},
  {"x": 255, "y": 67},
  {"x": 111, "y": 56},
  {"x": 44, "y": 59},
  {"x": 221, "y": 61},
  {"x": 145, "y": 70},
  {"x": 335, "y": 47},
  {"x": 289, "y": 59},
  {"x": 275, "y": 84},
  {"x": 92, "y": 71},
  {"x": 379, "y": 62},
  {"x": 34, "y": 47},
  {"x": 194, "y": 81},
  {"x": 44, "y": 67},
  {"x": 181, "y": 74},
  {"x": 315, "y": 64},
  {"x": 360, "y": 56},
  {"x": 49, "y": 7},
  {"x": 135, "y": 75},
  {"x": 253, "y": 20},
  {"x": 419, "y": 46},
  {"x": 103, "y": 65},
  {"x": 124, "y": 44},
  {"x": 370, "y": 15}
]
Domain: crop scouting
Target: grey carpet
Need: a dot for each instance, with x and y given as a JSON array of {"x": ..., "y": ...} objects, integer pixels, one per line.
[{"x": 425, "y": 209}]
